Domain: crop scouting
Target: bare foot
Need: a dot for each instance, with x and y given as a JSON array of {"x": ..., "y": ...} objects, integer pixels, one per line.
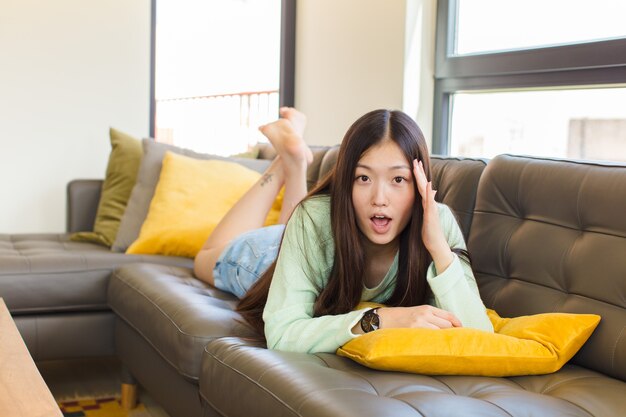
[
  {"x": 288, "y": 143},
  {"x": 297, "y": 119}
]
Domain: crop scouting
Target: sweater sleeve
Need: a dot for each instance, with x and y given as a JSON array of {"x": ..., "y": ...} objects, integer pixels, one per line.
[
  {"x": 455, "y": 289},
  {"x": 302, "y": 268}
]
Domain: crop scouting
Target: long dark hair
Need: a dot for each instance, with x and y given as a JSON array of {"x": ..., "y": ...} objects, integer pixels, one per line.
[{"x": 343, "y": 290}]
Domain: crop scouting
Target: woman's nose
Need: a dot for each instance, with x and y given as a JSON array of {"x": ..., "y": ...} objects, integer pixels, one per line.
[{"x": 379, "y": 197}]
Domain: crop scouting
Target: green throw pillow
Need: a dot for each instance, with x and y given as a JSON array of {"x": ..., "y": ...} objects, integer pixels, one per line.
[
  {"x": 120, "y": 178},
  {"x": 252, "y": 153}
]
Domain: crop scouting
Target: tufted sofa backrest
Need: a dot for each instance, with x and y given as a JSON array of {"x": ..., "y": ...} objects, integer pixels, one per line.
[
  {"x": 456, "y": 182},
  {"x": 550, "y": 236}
]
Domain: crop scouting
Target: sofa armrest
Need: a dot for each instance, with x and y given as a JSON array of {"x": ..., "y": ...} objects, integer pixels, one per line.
[{"x": 83, "y": 197}]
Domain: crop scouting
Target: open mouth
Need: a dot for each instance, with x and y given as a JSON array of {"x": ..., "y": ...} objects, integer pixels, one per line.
[{"x": 380, "y": 223}]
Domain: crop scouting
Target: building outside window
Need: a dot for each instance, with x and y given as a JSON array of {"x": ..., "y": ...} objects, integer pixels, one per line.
[{"x": 531, "y": 77}]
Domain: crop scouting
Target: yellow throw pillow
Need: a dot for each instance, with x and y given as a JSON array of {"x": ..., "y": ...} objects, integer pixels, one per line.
[
  {"x": 190, "y": 199},
  {"x": 526, "y": 345}
]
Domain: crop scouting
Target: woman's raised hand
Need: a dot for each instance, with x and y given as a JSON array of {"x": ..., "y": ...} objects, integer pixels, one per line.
[
  {"x": 432, "y": 233},
  {"x": 424, "y": 316}
]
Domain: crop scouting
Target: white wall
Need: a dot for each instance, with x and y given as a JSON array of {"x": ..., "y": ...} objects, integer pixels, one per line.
[
  {"x": 353, "y": 56},
  {"x": 349, "y": 60},
  {"x": 69, "y": 69}
]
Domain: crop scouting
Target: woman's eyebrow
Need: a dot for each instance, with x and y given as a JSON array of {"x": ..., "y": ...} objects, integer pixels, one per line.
[
  {"x": 401, "y": 167},
  {"x": 391, "y": 168}
]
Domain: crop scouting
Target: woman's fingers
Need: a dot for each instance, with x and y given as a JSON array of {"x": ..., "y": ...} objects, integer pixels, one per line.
[
  {"x": 446, "y": 315},
  {"x": 440, "y": 323},
  {"x": 424, "y": 187},
  {"x": 420, "y": 177},
  {"x": 423, "y": 316}
]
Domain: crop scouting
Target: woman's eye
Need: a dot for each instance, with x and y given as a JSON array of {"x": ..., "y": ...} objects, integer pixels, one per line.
[
  {"x": 398, "y": 180},
  {"x": 362, "y": 178}
]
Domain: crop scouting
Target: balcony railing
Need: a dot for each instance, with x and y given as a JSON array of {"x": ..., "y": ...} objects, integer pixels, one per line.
[{"x": 221, "y": 124}]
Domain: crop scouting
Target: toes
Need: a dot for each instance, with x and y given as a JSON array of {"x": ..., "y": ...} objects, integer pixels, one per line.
[{"x": 284, "y": 111}]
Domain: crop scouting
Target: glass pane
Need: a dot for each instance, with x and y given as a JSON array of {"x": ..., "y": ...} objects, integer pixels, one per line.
[
  {"x": 216, "y": 72},
  {"x": 579, "y": 124},
  {"x": 499, "y": 25}
]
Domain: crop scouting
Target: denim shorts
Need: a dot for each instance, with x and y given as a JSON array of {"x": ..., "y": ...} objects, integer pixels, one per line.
[{"x": 246, "y": 258}]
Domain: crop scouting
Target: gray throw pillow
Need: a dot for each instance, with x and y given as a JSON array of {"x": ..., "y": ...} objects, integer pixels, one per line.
[{"x": 147, "y": 179}]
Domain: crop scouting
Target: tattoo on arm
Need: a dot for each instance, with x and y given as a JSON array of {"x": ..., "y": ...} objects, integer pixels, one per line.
[{"x": 267, "y": 178}]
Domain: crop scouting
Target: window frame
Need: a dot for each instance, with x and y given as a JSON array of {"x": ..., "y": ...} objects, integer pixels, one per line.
[
  {"x": 287, "y": 63},
  {"x": 580, "y": 65}
]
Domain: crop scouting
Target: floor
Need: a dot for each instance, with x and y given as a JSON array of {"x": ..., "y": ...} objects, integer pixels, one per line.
[{"x": 89, "y": 378}]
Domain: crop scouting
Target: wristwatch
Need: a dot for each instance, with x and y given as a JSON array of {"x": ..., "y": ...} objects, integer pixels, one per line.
[{"x": 370, "y": 320}]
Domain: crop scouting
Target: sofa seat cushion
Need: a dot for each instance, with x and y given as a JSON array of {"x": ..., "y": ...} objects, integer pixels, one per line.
[
  {"x": 295, "y": 384},
  {"x": 174, "y": 312},
  {"x": 48, "y": 273}
]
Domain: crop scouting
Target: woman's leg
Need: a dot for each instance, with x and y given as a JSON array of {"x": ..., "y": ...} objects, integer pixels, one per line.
[
  {"x": 286, "y": 135},
  {"x": 249, "y": 213}
]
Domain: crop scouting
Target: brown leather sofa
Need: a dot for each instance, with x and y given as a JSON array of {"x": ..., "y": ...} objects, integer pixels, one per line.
[
  {"x": 56, "y": 289},
  {"x": 544, "y": 235}
]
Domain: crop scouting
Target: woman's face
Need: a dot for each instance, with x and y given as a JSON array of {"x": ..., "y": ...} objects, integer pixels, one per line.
[{"x": 383, "y": 193}]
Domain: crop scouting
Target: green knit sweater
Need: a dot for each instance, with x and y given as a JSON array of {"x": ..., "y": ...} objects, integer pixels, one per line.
[{"x": 304, "y": 264}]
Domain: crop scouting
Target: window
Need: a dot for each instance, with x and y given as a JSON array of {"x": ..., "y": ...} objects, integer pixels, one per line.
[
  {"x": 496, "y": 25},
  {"x": 220, "y": 69},
  {"x": 538, "y": 78},
  {"x": 580, "y": 123}
]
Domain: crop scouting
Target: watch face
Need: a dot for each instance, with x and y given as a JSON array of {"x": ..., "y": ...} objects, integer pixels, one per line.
[{"x": 370, "y": 321}]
